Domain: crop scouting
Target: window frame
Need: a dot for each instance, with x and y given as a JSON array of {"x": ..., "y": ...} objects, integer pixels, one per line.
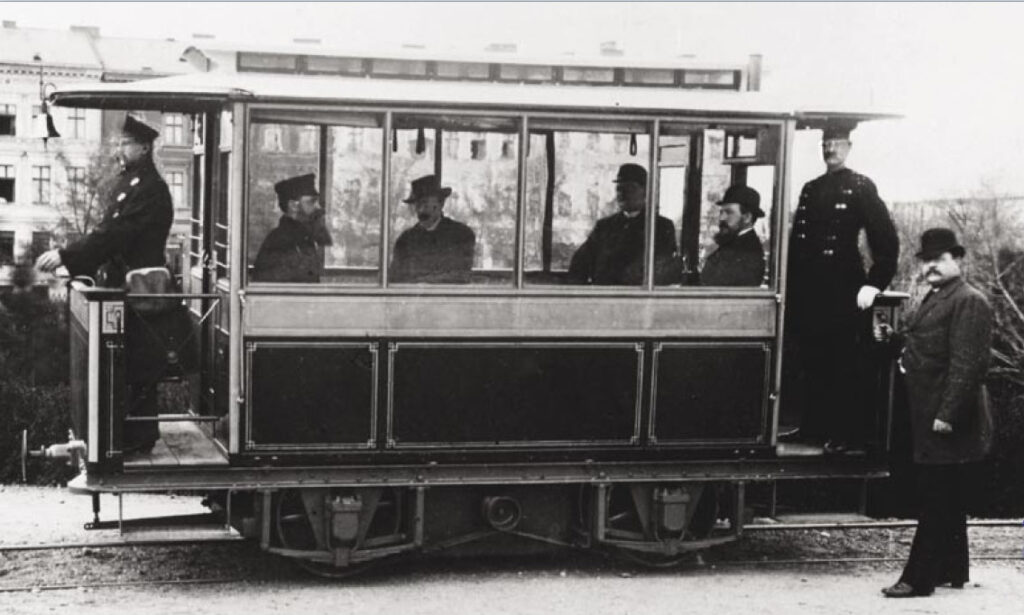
[
  {"x": 267, "y": 112},
  {"x": 41, "y": 184}
]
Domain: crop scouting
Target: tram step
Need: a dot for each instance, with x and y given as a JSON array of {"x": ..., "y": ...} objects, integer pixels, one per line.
[
  {"x": 813, "y": 519},
  {"x": 179, "y": 533}
]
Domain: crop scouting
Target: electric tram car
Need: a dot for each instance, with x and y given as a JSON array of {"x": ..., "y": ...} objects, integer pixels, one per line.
[{"x": 361, "y": 417}]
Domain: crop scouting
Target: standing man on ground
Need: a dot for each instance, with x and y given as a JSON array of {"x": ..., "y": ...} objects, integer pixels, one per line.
[
  {"x": 829, "y": 292},
  {"x": 946, "y": 346}
]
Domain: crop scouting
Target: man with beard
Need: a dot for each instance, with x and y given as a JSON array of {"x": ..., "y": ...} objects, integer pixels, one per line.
[
  {"x": 292, "y": 252},
  {"x": 739, "y": 259},
  {"x": 131, "y": 235},
  {"x": 829, "y": 293},
  {"x": 613, "y": 254},
  {"x": 437, "y": 250}
]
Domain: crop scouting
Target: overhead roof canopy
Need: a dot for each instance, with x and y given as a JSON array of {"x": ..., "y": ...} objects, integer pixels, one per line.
[{"x": 203, "y": 91}]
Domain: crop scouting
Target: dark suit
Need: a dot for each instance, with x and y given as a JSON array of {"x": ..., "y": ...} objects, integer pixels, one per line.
[
  {"x": 443, "y": 255},
  {"x": 738, "y": 262},
  {"x": 946, "y": 348},
  {"x": 133, "y": 231},
  {"x": 613, "y": 254},
  {"x": 825, "y": 273},
  {"x": 288, "y": 254}
]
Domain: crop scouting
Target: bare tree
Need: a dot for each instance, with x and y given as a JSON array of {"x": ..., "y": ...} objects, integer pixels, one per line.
[{"x": 82, "y": 205}]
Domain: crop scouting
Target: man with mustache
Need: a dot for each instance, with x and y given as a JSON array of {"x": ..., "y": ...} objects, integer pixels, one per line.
[
  {"x": 292, "y": 252},
  {"x": 829, "y": 293},
  {"x": 946, "y": 346},
  {"x": 739, "y": 259},
  {"x": 437, "y": 250}
]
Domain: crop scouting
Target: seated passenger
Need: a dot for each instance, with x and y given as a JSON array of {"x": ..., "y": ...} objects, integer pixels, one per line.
[
  {"x": 739, "y": 259},
  {"x": 293, "y": 252},
  {"x": 613, "y": 254},
  {"x": 437, "y": 250}
]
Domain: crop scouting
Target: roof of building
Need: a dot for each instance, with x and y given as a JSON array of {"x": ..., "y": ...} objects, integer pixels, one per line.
[
  {"x": 142, "y": 57},
  {"x": 54, "y": 48}
]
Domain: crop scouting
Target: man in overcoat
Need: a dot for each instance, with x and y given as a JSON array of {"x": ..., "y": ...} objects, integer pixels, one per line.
[
  {"x": 437, "y": 250},
  {"x": 946, "y": 346},
  {"x": 613, "y": 253},
  {"x": 292, "y": 252},
  {"x": 739, "y": 259},
  {"x": 829, "y": 292},
  {"x": 131, "y": 235},
  {"x": 139, "y": 212}
]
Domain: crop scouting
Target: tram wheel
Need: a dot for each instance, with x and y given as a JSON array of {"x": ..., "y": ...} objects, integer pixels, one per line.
[{"x": 295, "y": 532}]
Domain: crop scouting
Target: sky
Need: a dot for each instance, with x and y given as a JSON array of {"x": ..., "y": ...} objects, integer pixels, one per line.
[{"x": 953, "y": 70}]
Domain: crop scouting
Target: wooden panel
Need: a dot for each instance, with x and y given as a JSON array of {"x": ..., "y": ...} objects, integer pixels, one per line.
[
  {"x": 501, "y": 394},
  {"x": 709, "y": 393},
  {"x": 509, "y": 316}
]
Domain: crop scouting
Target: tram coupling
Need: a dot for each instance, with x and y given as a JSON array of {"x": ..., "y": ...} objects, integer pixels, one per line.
[{"x": 73, "y": 451}]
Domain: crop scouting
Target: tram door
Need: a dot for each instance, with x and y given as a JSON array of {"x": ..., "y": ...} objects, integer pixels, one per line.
[{"x": 208, "y": 253}]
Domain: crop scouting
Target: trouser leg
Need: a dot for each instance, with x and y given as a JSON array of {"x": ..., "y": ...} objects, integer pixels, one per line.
[{"x": 939, "y": 551}]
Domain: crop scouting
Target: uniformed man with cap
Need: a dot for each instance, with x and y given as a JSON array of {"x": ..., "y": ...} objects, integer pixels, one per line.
[
  {"x": 292, "y": 252},
  {"x": 739, "y": 259},
  {"x": 829, "y": 291},
  {"x": 131, "y": 235},
  {"x": 613, "y": 254},
  {"x": 139, "y": 212},
  {"x": 437, "y": 250}
]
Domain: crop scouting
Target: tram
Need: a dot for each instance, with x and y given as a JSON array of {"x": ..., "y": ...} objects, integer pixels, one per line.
[{"x": 362, "y": 417}]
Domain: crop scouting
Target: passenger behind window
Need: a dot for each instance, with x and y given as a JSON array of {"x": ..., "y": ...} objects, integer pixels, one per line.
[
  {"x": 438, "y": 250},
  {"x": 293, "y": 252},
  {"x": 739, "y": 259},
  {"x": 613, "y": 254}
]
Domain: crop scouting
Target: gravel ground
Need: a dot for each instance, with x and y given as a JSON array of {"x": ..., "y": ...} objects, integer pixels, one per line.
[{"x": 256, "y": 583}]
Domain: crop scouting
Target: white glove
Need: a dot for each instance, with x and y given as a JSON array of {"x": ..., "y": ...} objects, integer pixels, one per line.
[{"x": 866, "y": 296}]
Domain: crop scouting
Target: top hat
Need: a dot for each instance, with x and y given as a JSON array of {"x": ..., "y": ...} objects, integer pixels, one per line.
[
  {"x": 746, "y": 197},
  {"x": 428, "y": 185},
  {"x": 293, "y": 188},
  {"x": 139, "y": 131},
  {"x": 630, "y": 172},
  {"x": 935, "y": 241}
]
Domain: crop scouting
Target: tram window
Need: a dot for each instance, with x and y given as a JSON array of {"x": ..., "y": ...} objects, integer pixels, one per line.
[
  {"x": 473, "y": 240},
  {"x": 697, "y": 165},
  {"x": 331, "y": 237},
  {"x": 571, "y": 173}
]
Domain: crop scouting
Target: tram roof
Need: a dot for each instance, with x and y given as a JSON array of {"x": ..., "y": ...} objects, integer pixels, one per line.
[{"x": 203, "y": 91}]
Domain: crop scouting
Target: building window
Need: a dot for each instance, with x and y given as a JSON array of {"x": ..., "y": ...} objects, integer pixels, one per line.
[
  {"x": 76, "y": 182},
  {"x": 41, "y": 185},
  {"x": 174, "y": 129},
  {"x": 308, "y": 140},
  {"x": 478, "y": 149},
  {"x": 8, "y": 115},
  {"x": 6, "y": 183},
  {"x": 176, "y": 184},
  {"x": 40, "y": 243},
  {"x": 508, "y": 148},
  {"x": 6, "y": 247},
  {"x": 75, "y": 128},
  {"x": 272, "y": 141},
  {"x": 451, "y": 146}
]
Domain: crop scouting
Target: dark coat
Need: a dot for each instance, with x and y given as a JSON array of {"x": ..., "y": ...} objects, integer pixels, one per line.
[
  {"x": 443, "y": 255},
  {"x": 613, "y": 253},
  {"x": 946, "y": 352},
  {"x": 826, "y": 270},
  {"x": 739, "y": 262},
  {"x": 133, "y": 231},
  {"x": 288, "y": 254}
]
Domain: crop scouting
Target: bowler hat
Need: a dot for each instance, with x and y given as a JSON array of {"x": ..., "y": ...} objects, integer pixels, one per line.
[
  {"x": 293, "y": 188},
  {"x": 935, "y": 241},
  {"x": 746, "y": 197},
  {"x": 140, "y": 131},
  {"x": 428, "y": 185},
  {"x": 630, "y": 172}
]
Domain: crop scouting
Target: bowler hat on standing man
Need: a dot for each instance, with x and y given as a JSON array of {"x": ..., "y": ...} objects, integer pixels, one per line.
[{"x": 935, "y": 241}]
